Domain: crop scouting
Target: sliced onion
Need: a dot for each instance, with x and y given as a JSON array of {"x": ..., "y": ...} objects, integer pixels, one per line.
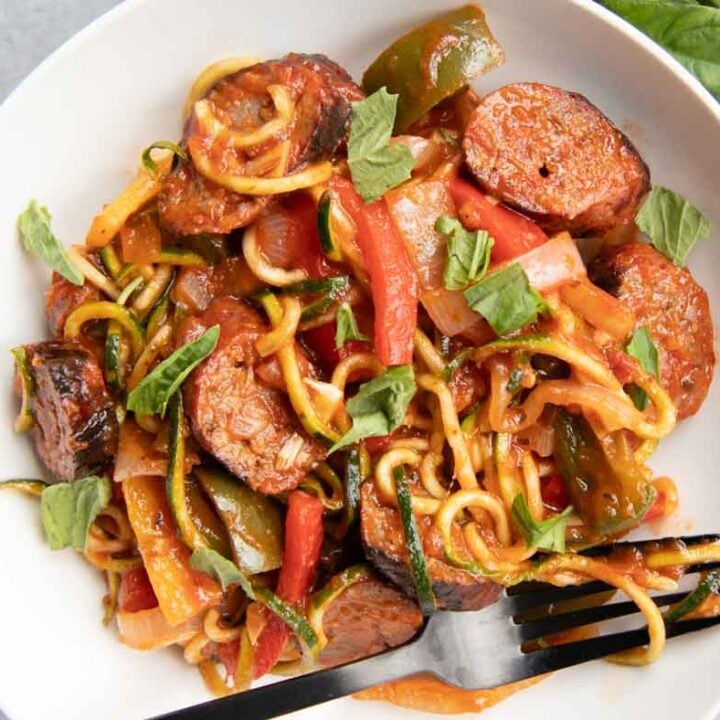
[
  {"x": 551, "y": 264},
  {"x": 149, "y": 630},
  {"x": 415, "y": 208},
  {"x": 450, "y": 312}
]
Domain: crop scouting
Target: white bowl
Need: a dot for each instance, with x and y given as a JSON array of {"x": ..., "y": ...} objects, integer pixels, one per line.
[{"x": 71, "y": 137}]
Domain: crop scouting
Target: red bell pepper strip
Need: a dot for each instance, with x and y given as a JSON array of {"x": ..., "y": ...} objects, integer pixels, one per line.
[
  {"x": 394, "y": 283},
  {"x": 321, "y": 340},
  {"x": 514, "y": 234},
  {"x": 301, "y": 555}
]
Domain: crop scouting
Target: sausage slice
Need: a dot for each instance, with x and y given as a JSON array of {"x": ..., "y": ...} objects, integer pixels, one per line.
[
  {"x": 238, "y": 417},
  {"x": 554, "y": 156},
  {"x": 76, "y": 429},
  {"x": 382, "y": 536},
  {"x": 367, "y": 618},
  {"x": 675, "y": 309},
  {"x": 62, "y": 297},
  {"x": 321, "y": 92}
]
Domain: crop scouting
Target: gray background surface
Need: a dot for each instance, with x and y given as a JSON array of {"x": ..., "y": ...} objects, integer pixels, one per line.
[{"x": 31, "y": 29}]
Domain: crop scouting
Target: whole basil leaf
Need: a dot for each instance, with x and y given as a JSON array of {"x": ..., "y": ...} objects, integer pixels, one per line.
[
  {"x": 375, "y": 165},
  {"x": 468, "y": 253},
  {"x": 346, "y": 326},
  {"x": 67, "y": 510},
  {"x": 547, "y": 534},
  {"x": 505, "y": 299},
  {"x": 690, "y": 32},
  {"x": 379, "y": 406},
  {"x": 672, "y": 223},
  {"x": 151, "y": 395},
  {"x": 37, "y": 237}
]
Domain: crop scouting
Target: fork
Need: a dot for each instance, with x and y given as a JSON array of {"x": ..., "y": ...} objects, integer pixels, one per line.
[{"x": 473, "y": 650}]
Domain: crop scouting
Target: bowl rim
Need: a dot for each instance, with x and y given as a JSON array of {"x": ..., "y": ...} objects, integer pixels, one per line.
[{"x": 589, "y": 6}]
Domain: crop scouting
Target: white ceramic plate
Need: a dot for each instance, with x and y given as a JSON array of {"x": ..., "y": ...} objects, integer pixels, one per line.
[{"x": 71, "y": 137}]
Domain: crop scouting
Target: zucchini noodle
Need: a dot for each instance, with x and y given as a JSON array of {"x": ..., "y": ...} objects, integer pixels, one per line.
[
  {"x": 138, "y": 193},
  {"x": 297, "y": 391},
  {"x": 150, "y": 353},
  {"x": 211, "y": 75},
  {"x": 601, "y": 571},
  {"x": 102, "y": 310},
  {"x": 531, "y": 476},
  {"x": 247, "y": 185},
  {"x": 428, "y": 354},
  {"x": 590, "y": 368},
  {"x": 353, "y": 363},
  {"x": 463, "y": 470},
  {"x": 92, "y": 274},
  {"x": 506, "y": 468},
  {"x": 215, "y": 631},
  {"x": 385, "y": 483},
  {"x": 278, "y": 277},
  {"x": 153, "y": 291},
  {"x": 284, "y": 332}
]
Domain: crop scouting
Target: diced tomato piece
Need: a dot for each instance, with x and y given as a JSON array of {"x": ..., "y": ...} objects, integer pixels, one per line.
[
  {"x": 554, "y": 494},
  {"x": 514, "y": 234},
  {"x": 136, "y": 592},
  {"x": 321, "y": 340}
]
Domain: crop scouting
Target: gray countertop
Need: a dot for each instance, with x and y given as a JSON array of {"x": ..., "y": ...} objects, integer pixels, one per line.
[{"x": 31, "y": 29}]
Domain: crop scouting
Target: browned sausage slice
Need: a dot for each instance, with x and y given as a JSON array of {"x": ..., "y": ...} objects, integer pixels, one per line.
[
  {"x": 554, "y": 156},
  {"x": 675, "y": 309},
  {"x": 62, "y": 297},
  {"x": 382, "y": 537},
  {"x": 190, "y": 204},
  {"x": 321, "y": 93},
  {"x": 367, "y": 618},
  {"x": 76, "y": 429},
  {"x": 236, "y": 416}
]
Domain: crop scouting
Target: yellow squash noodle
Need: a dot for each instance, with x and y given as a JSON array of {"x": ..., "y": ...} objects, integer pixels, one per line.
[
  {"x": 284, "y": 332},
  {"x": 262, "y": 269},
  {"x": 455, "y": 437},
  {"x": 476, "y": 498},
  {"x": 212, "y": 74},
  {"x": 385, "y": 483}
]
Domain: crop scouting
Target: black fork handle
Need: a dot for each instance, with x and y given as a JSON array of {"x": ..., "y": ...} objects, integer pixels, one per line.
[{"x": 312, "y": 689}]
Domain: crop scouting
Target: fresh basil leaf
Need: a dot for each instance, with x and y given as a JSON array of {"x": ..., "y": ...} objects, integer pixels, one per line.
[
  {"x": 690, "y": 32},
  {"x": 505, "y": 299},
  {"x": 379, "y": 406},
  {"x": 547, "y": 534},
  {"x": 149, "y": 164},
  {"x": 468, "y": 253},
  {"x": 375, "y": 165},
  {"x": 151, "y": 395},
  {"x": 37, "y": 237},
  {"x": 672, "y": 223},
  {"x": 67, "y": 510},
  {"x": 227, "y": 573},
  {"x": 346, "y": 326},
  {"x": 223, "y": 570},
  {"x": 642, "y": 348}
]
